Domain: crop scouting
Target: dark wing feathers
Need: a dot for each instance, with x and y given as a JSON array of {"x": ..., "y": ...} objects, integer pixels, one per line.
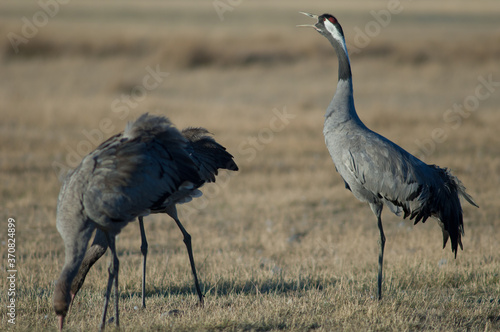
[{"x": 207, "y": 154}]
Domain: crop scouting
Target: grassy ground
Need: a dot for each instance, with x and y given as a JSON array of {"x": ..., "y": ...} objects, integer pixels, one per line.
[{"x": 281, "y": 245}]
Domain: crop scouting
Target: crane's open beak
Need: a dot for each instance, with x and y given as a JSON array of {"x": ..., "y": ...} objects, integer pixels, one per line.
[{"x": 308, "y": 25}]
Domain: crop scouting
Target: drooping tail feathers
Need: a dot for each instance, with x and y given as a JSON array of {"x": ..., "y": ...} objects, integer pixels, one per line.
[
  {"x": 461, "y": 190},
  {"x": 449, "y": 209},
  {"x": 207, "y": 153}
]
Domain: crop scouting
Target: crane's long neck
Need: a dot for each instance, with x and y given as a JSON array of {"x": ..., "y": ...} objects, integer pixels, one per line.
[{"x": 342, "y": 105}]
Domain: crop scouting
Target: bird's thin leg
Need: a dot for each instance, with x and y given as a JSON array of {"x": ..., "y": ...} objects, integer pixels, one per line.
[
  {"x": 144, "y": 251},
  {"x": 116, "y": 265},
  {"x": 172, "y": 212},
  {"x": 380, "y": 256},
  {"x": 377, "y": 210},
  {"x": 187, "y": 242},
  {"x": 112, "y": 276}
]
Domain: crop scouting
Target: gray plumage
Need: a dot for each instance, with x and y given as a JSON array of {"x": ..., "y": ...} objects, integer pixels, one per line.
[
  {"x": 379, "y": 172},
  {"x": 140, "y": 171},
  {"x": 208, "y": 156}
]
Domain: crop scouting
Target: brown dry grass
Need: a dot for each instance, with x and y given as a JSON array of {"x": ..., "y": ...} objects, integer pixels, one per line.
[{"x": 281, "y": 245}]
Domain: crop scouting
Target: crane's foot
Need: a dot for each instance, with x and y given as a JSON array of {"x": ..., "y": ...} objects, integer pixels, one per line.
[{"x": 201, "y": 303}]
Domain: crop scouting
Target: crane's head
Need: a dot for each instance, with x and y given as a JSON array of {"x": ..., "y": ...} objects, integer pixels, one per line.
[
  {"x": 327, "y": 25},
  {"x": 330, "y": 28},
  {"x": 62, "y": 301}
]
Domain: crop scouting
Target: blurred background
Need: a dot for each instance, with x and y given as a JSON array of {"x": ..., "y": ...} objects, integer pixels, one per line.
[{"x": 426, "y": 75}]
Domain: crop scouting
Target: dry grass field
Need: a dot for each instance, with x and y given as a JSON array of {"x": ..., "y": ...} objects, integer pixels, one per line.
[{"x": 279, "y": 245}]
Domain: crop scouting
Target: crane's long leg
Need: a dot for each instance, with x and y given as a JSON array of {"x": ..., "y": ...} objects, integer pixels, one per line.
[
  {"x": 380, "y": 256},
  {"x": 377, "y": 210},
  {"x": 144, "y": 251},
  {"x": 187, "y": 242},
  {"x": 172, "y": 212},
  {"x": 116, "y": 265},
  {"x": 112, "y": 276}
]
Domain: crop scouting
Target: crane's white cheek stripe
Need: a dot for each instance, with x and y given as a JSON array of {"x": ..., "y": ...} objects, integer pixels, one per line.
[
  {"x": 331, "y": 28},
  {"x": 335, "y": 33}
]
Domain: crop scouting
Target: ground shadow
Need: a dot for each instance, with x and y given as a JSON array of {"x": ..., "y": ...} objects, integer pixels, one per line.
[{"x": 227, "y": 286}]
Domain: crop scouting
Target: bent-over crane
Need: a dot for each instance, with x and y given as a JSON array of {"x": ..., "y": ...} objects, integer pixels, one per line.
[
  {"x": 148, "y": 168},
  {"x": 209, "y": 156}
]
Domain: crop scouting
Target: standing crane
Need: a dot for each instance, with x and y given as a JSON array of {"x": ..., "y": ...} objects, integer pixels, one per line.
[
  {"x": 379, "y": 172},
  {"x": 208, "y": 156},
  {"x": 146, "y": 169}
]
